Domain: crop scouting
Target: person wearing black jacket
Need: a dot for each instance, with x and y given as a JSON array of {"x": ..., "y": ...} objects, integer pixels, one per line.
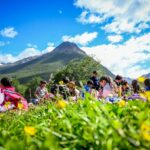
[{"x": 95, "y": 80}]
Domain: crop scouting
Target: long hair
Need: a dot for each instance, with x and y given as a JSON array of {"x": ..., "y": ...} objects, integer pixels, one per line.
[{"x": 135, "y": 86}]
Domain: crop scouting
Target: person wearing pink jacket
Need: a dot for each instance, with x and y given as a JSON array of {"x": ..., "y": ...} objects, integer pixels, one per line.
[
  {"x": 106, "y": 87},
  {"x": 11, "y": 99}
]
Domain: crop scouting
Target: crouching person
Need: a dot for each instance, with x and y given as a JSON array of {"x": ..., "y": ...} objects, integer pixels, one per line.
[
  {"x": 41, "y": 92},
  {"x": 74, "y": 93},
  {"x": 10, "y": 98}
]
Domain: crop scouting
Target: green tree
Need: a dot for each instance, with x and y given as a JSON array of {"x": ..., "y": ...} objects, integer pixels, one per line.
[
  {"x": 20, "y": 88},
  {"x": 81, "y": 70},
  {"x": 31, "y": 87}
]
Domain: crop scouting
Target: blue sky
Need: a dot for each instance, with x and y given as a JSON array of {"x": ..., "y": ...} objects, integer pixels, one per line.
[{"x": 116, "y": 33}]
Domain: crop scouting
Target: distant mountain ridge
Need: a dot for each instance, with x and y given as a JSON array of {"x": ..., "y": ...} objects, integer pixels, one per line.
[
  {"x": 147, "y": 75},
  {"x": 45, "y": 64}
]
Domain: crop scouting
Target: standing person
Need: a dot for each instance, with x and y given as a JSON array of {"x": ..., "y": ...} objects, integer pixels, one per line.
[
  {"x": 95, "y": 80},
  {"x": 135, "y": 87},
  {"x": 41, "y": 91},
  {"x": 12, "y": 99}
]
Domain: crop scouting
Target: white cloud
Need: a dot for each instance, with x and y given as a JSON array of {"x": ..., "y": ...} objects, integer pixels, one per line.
[
  {"x": 32, "y": 45},
  {"x": 28, "y": 52},
  {"x": 124, "y": 59},
  {"x": 86, "y": 18},
  {"x": 48, "y": 49},
  {"x": 82, "y": 39},
  {"x": 124, "y": 16},
  {"x": 115, "y": 38},
  {"x": 9, "y": 32},
  {"x": 7, "y": 58},
  {"x": 50, "y": 44}
]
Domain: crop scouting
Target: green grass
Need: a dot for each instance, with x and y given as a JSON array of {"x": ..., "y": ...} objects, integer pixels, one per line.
[{"x": 83, "y": 125}]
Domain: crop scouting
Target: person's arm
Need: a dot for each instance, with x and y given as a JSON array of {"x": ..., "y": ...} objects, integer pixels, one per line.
[{"x": 46, "y": 93}]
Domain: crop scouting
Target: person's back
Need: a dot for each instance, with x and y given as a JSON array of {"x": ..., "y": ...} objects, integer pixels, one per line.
[{"x": 12, "y": 99}]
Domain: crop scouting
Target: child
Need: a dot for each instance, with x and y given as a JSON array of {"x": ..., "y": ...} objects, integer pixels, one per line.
[
  {"x": 12, "y": 99},
  {"x": 6, "y": 84},
  {"x": 107, "y": 89},
  {"x": 118, "y": 80},
  {"x": 135, "y": 87},
  {"x": 136, "y": 92},
  {"x": 41, "y": 91},
  {"x": 73, "y": 91},
  {"x": 125, "y": 88},
  {"x": 88, "y": 86}
]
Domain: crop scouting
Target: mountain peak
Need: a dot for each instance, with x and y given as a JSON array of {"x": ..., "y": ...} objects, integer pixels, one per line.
[
  {"x": 68, "y": 47},
  {"x": 66, "y": 43}
]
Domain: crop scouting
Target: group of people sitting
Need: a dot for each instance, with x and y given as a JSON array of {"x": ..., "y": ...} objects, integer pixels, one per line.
[{"x": 99, "y": 88}]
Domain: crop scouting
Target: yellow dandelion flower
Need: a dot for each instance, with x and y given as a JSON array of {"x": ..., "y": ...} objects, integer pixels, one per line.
[
  {"x": 29, "y": 130},
  {"x": 147, "y": 94},
  {"x": 61, "y": 82},
  {"x": 20, "y": 105},
  {"x": 7, "y": 104},
  {"x": 122, "y": 103},
  {"x": 145, "y": 132},
  {"x": 141, "y": 79},
  {"x": 61, "y": 104}
]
